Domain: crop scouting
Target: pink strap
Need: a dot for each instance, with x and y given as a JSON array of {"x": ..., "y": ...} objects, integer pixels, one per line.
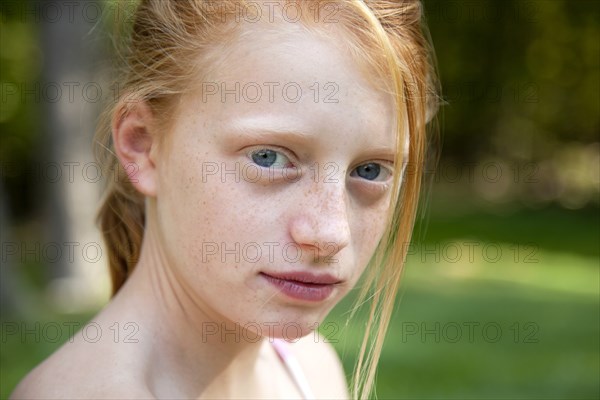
[{"x": 282, "y": 348}]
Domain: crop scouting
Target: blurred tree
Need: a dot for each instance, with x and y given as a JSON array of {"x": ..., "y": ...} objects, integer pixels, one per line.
[
  {"x": 48, "y": 60},
  {"x": 522, "y": 82}
]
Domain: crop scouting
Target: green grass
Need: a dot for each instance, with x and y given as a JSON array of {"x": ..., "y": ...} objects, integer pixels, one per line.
[
  {"x": 547, "y": 306},
  {"x": 545, "y": 301},
  {"x": 24, "y": 346},
  {"x": 548, "y": 347}
]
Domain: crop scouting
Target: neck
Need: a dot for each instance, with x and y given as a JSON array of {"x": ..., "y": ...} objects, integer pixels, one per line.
[{"x": 185, "y": 347}]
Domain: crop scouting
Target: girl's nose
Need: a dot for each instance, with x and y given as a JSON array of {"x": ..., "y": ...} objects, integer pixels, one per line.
[{"x": 322, "y": 225}]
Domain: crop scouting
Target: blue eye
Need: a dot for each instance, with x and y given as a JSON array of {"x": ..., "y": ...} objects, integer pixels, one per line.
[
  {"x": 371, "y": 172},
  {"x": 270, "y": 158}
]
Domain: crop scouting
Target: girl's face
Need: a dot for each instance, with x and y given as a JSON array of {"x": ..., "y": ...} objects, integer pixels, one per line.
[{"x": 279, "y": 170}]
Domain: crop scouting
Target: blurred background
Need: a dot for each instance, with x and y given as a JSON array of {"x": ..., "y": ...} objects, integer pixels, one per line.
[{"x": 501, "y": 293}]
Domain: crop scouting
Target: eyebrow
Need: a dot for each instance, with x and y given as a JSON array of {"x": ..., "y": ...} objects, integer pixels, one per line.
[{"x": 265, "y": 130}]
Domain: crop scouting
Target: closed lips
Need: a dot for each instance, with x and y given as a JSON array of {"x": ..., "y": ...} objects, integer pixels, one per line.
[{"x": 305, "y": 278}]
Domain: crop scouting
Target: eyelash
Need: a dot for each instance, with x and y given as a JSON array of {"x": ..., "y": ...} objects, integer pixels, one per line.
[
  {"x": 384, "y": 165},
  {"x": 271, "y": 148}
]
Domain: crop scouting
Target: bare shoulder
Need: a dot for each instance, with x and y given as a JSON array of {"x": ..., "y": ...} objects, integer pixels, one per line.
[
  {"x": 79, "y": 372},
  {"x": 322, "y": 366}
]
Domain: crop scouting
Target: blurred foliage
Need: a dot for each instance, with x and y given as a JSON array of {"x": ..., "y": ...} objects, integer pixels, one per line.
[
  {"x": 520, "y": 76},
  {"x": 21, "y": 63},
  {"x": 521, "y": 81}
]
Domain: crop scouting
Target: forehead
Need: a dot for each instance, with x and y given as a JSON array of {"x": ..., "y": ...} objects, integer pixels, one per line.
[
  {"x": 309, "y": 48},
  {"x": 298, "y": 79}
]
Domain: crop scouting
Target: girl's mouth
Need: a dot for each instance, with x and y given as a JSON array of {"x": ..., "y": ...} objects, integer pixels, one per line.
[{"x": 303, "y": 286}]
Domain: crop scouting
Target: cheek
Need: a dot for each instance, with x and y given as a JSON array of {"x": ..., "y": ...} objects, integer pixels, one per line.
[
  {"x": 204, "y": 214},
  {"x": 370, "y": 229}
]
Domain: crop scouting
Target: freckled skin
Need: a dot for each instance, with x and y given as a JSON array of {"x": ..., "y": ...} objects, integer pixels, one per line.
[
  {"x": 177, "y": 289},
  {"x": 303, "y": 212}
]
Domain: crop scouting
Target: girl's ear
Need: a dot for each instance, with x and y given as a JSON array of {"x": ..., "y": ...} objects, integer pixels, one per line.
[{"x": 135, "y": 146}]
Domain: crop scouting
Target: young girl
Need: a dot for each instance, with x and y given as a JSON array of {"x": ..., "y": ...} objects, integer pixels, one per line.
[{"x": 270, "y": 152}]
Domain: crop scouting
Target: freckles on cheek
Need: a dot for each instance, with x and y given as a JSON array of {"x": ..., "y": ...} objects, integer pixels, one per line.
[{"x": 371, "y": 234}]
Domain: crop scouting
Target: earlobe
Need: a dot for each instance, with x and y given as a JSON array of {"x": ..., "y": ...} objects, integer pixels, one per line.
[{"x": 135, "y": 144}]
